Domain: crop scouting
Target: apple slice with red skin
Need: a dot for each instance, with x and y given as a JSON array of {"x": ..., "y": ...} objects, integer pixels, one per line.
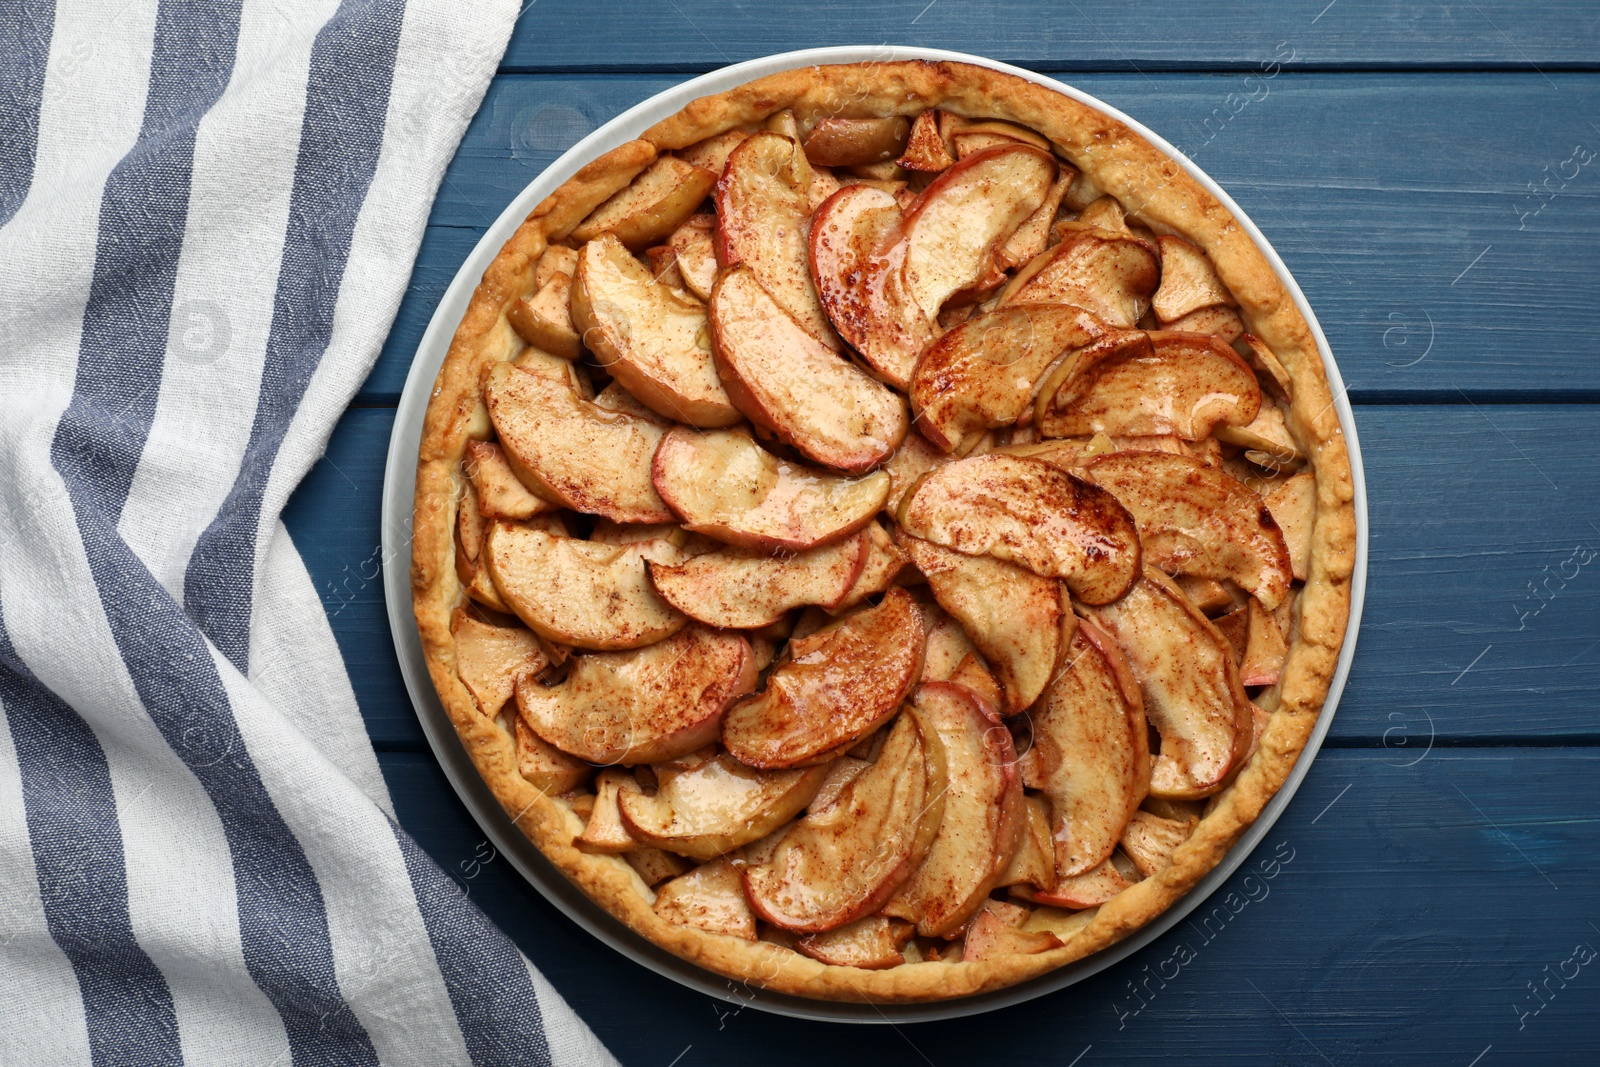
[
  {"x": 746, "y": 589},
  {"x": 832, "y": 688},
  {"x": 763, "y": 204},
  {"x": 1087, "y": 890},
  {"x": 983, "y": 813},
  {"x": 716, "y": 806},
  {"x": 1198, "y": 520},
  {"x": 1091, "y": 751},
  {"x": 881, "y": 564},
  {"x": 782, "y": 378},
  {"x": 983, "y": 374},
  {"x": 1013, "y": 615},
  {"x": 845, "y": 861},
  {"x": 989, "y": 936},
  {"x": 1107, "y": 274},
  {"x": 857, "y": 259},
  {"x": 1189, "y": 682},
  {"x": 722, "y": 484},
  {"x": 582, "y": 593},
  {"x": 572, "y": 451},
  {"x": 954, "y": 227},
  {"x": 654, "y": 341},
  {"x": 644, "y": 705},
  {"x": 1186, "y": 385},
  {"x": 872, "y": 944},
  {"x": 1027, "y": 512}
]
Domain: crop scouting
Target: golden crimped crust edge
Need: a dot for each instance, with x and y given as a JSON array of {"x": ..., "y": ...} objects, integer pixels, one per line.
[{"x": 1159, "y": 194}]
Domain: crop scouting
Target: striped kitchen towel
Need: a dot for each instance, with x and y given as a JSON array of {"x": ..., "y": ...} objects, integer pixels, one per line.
[{"x": 209, "y": 210}]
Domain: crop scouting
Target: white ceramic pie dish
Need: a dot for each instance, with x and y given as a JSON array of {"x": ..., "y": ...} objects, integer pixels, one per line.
[{"x": 398, "y": 498}]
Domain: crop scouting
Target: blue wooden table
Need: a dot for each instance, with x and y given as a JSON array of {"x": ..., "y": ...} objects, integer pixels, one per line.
[{"x": 1429, "y": 172}]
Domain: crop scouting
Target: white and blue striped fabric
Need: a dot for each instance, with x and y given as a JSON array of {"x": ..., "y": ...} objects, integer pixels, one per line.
[{"x": 209, "y": 210}]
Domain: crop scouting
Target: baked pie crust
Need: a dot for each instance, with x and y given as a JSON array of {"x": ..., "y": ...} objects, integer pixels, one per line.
[{"x": 1008, "y": 940}]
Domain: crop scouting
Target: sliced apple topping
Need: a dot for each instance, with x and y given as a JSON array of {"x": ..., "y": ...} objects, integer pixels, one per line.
[
  {"x": 1223, "y": 323},
  {"x": 1190, "y": 686},
  {"x": 724, "y": 485},
  {"x": 1195, "y": 519},
  {"x": 842, "y": 142},
  {"x": 1027, "y": 512},
  {"x": 872, "y": 944},
  {"x": 1087, "y": 890},
  {"x": 955, "y": 226},
  {"x": 582, "y": 593},
  {"x": 834, "y": 687},
  {"x": 545, "y": 767},
  {"x": 983, "y": 813},
  {"x": 1032, "y": 238},
  {"x": 1090, "y": 753},
  {"x": 490, "y": 659},
  {"x": 544, "y": 321},
  {"x": 1266, "y": 440},
  {"x": 763, "y": 203},
  {"x": 1033, "y": 864},
  {"x": 991, "y": 936},
  {"x": 745, "y": 589},
  {"x": 947, "y": 646},
  {"x": 1186, "y": 384},
  {"x": 1150, "y": 840},
  {"x": 915, "y": 457},
  {"x": 710, "y": 897},
  {"x": 655, "y": 342},
  {"x": 1264, "y": 649},
  {"x": 656, "y": 203},
  {"x": 501, "y": 494},
  {"x": 1294, "y": 507},
  {"x": 693, "y": 245},
  {"x": 926, "y": 149},
  {"x": 1188, "y": 282},
  {"x": 604, "y": 832},
  {"x": 858, "y": 259},
  {"x": 1265, "y": 361},
  {"x": 717, "y": 806},
  {"x": 1106, "y": 274},
  {"x": 844, "y": 862},
  {"x": 824, "y": 406},
  {"x": 589, "y": 459},
  {"x": 655, "y": 866},
  {"x": 882, "y": 563},
  {"x": 983, "y": 373},
  {"x": 643, "y": 705},
  {"x": 1013, "y": 615}
]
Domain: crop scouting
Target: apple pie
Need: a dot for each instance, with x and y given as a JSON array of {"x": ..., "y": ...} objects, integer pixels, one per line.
[{"x": 884, "y": 533}]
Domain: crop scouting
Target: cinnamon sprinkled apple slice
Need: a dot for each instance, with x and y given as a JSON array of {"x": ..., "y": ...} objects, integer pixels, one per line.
[
  {"x": 834, "y": 687},
  {"x": 745, "y": 589},
  {"x": 716, "y": 806},
  {"x": 842, "y": 863},
  {"x": 1190, "y": 684},
  {"x": 724, "y": 485},
  {"x": 784, "y": 379},
  {"x": 1027, "y": 512},
  {"x": 1091, "y": 751},
  {"x": 983, "y": 812},
  {"x": 1195, "y": 519},
  {"x": 1186, "y": 385},
  {"x": 644, "y": 705}
]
